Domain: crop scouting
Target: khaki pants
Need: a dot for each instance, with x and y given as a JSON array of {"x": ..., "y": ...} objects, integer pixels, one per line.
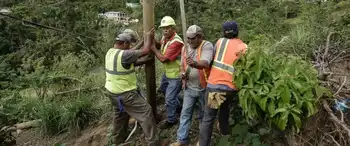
[{"x": 135, "y": 106}]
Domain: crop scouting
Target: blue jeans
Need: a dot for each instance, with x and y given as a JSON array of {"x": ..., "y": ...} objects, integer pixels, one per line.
[
  {"x": 191, "y": 97},
  {"x": 171, "y": 98},
  {"x": 163, "y": 85}
]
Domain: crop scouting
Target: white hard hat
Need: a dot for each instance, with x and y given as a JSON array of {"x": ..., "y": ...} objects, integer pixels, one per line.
[{"x": 167, "y": 21}]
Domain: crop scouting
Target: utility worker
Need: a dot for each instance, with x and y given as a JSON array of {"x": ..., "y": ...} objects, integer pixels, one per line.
[
  {"x": 195, "y": 67},
  {"x": 170, "y": 55},
  {"x": 121, "y": 89},
  {"x": 221, "y": 91}
]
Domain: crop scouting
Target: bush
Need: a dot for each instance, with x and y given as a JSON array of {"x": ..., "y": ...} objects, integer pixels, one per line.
[{"x": 280, "y": 89}]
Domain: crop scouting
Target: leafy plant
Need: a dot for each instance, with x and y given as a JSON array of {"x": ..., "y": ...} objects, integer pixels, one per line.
[
  {"x": 240, "y": 135},
  {"x": 280, "y": 89}
]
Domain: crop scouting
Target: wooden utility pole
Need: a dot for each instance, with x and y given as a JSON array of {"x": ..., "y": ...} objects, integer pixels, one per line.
[
  {"x": 184, "y": 28},
  {"x": 148, "y": 24},
  {"x": 183, "y": 22}
]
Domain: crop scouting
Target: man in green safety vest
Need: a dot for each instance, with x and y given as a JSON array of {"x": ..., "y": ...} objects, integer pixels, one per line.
[
  {"x": 170, "y": 55},
  {"x": 121, "y": 88}
]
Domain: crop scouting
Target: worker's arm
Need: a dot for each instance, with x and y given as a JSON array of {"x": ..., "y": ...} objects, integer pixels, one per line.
[
  {"x": 138, "y": 46},
  {"x": 157, "y": 44},
  {"x": 172, "y": 52},
  {"x": 149, "y": 41},
  {"x": 130, "y": 56},
  {"x": 143, "y": 60},
  {"x": 159, "y": 55},
  {"x": 198, "y": 65},
  {"x": 206, "y": 57}
]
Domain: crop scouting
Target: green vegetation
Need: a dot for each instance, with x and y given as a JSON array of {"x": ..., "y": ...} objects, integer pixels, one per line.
[
  {"x": 53, "y": 75},
  {"x": 57, "y": 76},
  {"x": 276, "y": 88}
]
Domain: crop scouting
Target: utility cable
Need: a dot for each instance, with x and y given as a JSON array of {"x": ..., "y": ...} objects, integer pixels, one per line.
[{"x": 46, "y": 27}]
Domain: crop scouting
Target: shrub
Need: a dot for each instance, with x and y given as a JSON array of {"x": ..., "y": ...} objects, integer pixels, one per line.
[{"x": 280, "y": 89}]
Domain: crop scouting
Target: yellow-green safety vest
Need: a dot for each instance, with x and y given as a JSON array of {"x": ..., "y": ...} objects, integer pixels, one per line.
[
  {"x": 118, "y": 78},
  {"x": 172, "y": 68}
]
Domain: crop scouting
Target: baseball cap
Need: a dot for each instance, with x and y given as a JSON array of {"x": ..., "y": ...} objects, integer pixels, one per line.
[
  {"x": 230, "y": 27},
  {"x": 193, "y": 31},
  {"x": 124, "y": 37},
  {"x": 132, "y": 33}
]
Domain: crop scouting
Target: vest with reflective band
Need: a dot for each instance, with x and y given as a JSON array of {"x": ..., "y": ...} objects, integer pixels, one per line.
[
  {"x": 227, "y": 51},
  {"x": 118, "y": 79},
  {"x": 204, "y": 73},
  {"x": 172, "y": 68}
]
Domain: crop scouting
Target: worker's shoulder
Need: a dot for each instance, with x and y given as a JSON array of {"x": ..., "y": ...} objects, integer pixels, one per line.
[
  {"x": 176, "y": 44},
  {"x": 130, "y": 52},
  {"x": 208, "y": 45}
]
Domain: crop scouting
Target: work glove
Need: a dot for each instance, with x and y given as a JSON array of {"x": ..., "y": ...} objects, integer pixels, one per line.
[{"x": 215, "y": 99}]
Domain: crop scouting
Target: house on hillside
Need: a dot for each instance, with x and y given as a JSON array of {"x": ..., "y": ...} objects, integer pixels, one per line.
[
  {"x": 118, "y": 17},
  {"x": 5, "y": 11}
]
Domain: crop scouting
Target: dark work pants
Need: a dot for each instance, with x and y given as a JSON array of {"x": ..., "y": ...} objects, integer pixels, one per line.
[
  {"x": 206, "y": 127},
  {"x": 135, "y": 106}
]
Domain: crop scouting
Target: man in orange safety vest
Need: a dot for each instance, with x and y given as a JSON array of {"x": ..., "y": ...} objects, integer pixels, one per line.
[{"x": 221, "y": 91}]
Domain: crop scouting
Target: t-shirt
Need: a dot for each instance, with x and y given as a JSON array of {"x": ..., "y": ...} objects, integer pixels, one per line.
[
  {"x": 129, "y": 57},
  {"x": 206, "y": 55},
  {"x": 173, "y": 50}
]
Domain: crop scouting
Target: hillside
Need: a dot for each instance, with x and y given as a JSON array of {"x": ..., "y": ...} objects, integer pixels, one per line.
[{"x": 54, "y": 75}]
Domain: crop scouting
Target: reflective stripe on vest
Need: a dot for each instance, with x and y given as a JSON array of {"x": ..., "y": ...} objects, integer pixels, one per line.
[
  {"x": 118, "y": 78},
  {"x": 227, "y": 52},
  {"x": 115, "y": 64},
  {"x": 202, "y": 74},
  {"x": 172, "y": 68},
  {"x": 218, "y": 61}
]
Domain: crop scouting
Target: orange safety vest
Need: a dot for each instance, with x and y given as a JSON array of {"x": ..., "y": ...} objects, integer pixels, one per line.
[
  {"x": 227, "y": 51},
  {"x": 203, "y": 73}
]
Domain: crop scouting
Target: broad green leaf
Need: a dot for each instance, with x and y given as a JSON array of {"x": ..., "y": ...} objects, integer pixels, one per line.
[
  {"x": 297, "y": 99},
  {"x": 296, "y": 85},
  {"x": 297, "y": 120},
  {"x": 282, "y": 123},
  {"x": 320, "y": 90},
  {"x": 265, "y": 89},
  {"x": 285, "y": 95},
  {"x": 283, "y": 120},
  {"x": 262, "y": 103},
  {"x": 243, "y": 101},
  {"x": 248, "y": 64},
  {"x": 271, "y": 107},
  {"x": 279, "y": 110},
  {"x": 310, "y": 108},
  {"x": 308, "y": 95},
  {"x": 296, "y": 110},
  {"x": 239, "y": 81},
  {"x": 250, "y": 82}
]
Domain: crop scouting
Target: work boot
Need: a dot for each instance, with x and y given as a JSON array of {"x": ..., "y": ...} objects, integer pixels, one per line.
[
  {"x": 177, "y": 144},
  {"x": 167, "y": 125}
]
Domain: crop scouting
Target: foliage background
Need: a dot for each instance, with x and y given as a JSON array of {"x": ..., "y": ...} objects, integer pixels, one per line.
[{"x": 57, "y": 76}]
